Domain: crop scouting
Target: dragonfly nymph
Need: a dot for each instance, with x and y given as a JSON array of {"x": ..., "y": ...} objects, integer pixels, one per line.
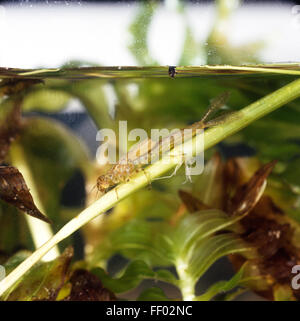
[{"x": 139, "y": 155}]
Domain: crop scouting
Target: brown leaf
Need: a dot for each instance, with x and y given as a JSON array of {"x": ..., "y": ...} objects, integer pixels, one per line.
[
  {"x": 14, "y": 191},
  {"x": 247, "y": 195},
  {"x": 267, "y": 235},
  {"x": 10, "y": 129},
  {"x": 87, "y": 287},
  {"x": 266, "y": 229},
  {"x": 192, "y": 203}
]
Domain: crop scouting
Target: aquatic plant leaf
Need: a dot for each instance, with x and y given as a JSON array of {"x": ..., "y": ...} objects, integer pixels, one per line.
[
  {"x": 222, "y": 286},
  {"x": 192, "y": 243},
  {"x": 209, "y": 250},
  {"x": 234, "y": 294},
  {"x": 87, "y": 286},
  {"x": 195, "y": 228},
  {"x": 44, "y": 281},
  {"x": 10, "y": 129},
  {"x": 13, "y": 190},
  {"x": 153, "y": 294},
  {"x": 247, "y": 196},
  {"x": 132, "y": 276},
  {"x": 188, "y": 241},
  {"x": 135, "y": 272},
  {"x": 144, "y": 240}
]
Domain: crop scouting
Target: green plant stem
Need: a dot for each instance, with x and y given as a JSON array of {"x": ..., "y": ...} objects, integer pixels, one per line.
[
  {"x": 40, "y": 231},
  {"x": 186, "y": 282},
  {"x": 212, "y": 136},
  {"x": 108, "y": 72}
]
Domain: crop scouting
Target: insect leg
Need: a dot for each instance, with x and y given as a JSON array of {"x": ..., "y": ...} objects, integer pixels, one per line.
[
  {"x": 175, "y": 170},
  {"x": 188, "y": 177},
  {"x": 97, "y": 191}
]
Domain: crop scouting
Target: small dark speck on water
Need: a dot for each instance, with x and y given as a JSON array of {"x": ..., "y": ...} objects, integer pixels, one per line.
[{"x": 172, "y": 71}]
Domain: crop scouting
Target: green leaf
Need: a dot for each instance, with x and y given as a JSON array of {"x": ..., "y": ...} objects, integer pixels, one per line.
[
  {"x": 209, "y": 250},
  {"x": 43, "y": 282},
  {"x": 153, "y": 294},
  {"x": 132, "y": 276},
  {"x": 194, "y": 228},
  {"x": 145, "y": 241},
  {"x": 233, "y": 295},
  {"x": 135, "y": 272},
  {"x": 166, "y": 276},
  {"x": 222, "y": 286}
]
